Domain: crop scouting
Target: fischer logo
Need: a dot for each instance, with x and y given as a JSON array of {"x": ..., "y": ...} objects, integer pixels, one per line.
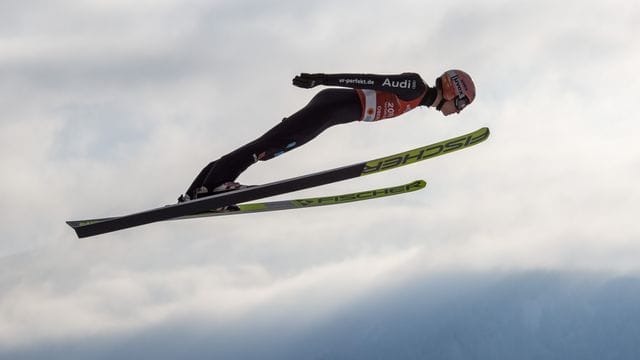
[
  {"x": 356, "y": 82},
  {"x": 405, "y": 84},
  {"x": 361, "y": 195},
  {"x": 424, "y": 153}
]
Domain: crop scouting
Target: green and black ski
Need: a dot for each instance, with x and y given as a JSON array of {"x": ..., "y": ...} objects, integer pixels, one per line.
[
  {"x": 86, "y": 228},
  {"x": 315, "y": 201},
  {"x": 298, "y": 203}
]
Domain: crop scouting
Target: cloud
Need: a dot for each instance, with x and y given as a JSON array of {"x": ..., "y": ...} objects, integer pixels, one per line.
[
  {"x": 446, "y": 315},
  {"x": 55, "y": 300}
]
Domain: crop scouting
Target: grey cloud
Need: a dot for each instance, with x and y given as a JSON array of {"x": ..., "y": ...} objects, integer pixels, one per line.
[{"x": 551, "y": 315}]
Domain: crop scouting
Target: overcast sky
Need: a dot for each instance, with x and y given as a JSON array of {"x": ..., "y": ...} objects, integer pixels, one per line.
[{"x": 112, "y": 107}]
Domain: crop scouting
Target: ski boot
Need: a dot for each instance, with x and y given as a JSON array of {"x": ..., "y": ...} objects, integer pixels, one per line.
[
  {"x": 200, "y": 192},
  {"x": 222, "y": 188},
  {"x": 225, "y": 187}
]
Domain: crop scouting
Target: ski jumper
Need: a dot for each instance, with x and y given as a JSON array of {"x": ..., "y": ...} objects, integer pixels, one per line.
[{"x": 370, "y": 98}]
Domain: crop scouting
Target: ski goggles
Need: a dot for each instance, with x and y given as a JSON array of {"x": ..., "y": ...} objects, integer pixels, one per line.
[{"x": 461, "y": 102}]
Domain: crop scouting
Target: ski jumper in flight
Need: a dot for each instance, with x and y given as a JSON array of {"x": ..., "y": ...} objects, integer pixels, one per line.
[{"x": 363, "y": 97}]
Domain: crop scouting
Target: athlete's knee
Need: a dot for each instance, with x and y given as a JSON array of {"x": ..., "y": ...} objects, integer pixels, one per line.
[{"x": 276, "y": 150}]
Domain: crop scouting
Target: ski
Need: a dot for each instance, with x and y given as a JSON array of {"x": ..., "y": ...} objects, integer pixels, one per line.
[
  {"x": 315, "y": 201},
  {"x": 85, "y": 228},
  {"x": 260, "y": 207}
]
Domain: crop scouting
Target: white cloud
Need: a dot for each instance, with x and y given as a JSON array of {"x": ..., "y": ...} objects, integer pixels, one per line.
[{"x": 57, "y": 300}]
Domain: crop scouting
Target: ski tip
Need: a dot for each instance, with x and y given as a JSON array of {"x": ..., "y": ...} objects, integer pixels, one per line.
[
  {"x": 480, "y": 135},
  {"x": 419, "y": 184}
]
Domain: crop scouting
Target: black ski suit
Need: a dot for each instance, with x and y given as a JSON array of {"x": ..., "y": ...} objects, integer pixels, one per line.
[{"x": 370, "y": 98}]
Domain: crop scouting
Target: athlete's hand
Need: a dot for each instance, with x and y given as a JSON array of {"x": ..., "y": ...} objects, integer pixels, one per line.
[{"x": 307, "y": 81}]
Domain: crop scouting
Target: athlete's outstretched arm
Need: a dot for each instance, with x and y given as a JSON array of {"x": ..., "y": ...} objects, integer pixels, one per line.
[{"x": 405, "y": 85}]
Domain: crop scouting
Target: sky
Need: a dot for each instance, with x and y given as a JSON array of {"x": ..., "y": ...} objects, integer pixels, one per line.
[{"x": 525, "y": 246}]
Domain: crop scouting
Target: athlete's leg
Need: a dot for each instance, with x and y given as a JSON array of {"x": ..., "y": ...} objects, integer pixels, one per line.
[{"x": 329, "y": 107}]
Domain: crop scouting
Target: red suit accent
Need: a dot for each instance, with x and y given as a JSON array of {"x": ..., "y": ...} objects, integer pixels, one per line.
[{"x": 379, "y": 105}]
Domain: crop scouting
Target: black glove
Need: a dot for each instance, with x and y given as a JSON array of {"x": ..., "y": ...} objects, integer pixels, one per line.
[{"x": 308, "y": 81}]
